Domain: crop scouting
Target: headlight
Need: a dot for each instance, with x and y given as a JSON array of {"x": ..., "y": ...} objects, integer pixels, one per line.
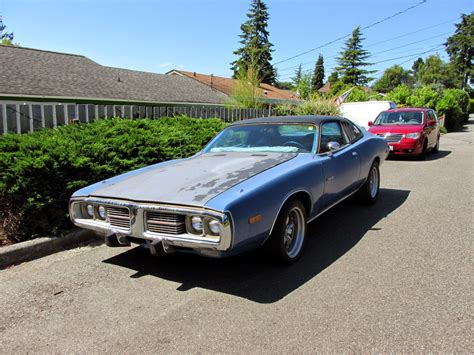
[
  {"x": 90, "y": 211},
  {"x": 414, "y": 135},
  {"x": 214, "y": 226},
  {"x": 196, "y": 223},
  {"x": 102, "y": 212}
]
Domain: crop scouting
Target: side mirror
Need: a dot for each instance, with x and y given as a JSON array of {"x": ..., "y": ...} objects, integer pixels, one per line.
[
  {"x": 370, "y": 124},
  {"x": 333, "y": 146},
  {"x": 431, "y": 123}
]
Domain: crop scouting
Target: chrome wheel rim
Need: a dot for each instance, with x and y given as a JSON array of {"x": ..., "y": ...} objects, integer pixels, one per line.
[
  {"x": 294, "y": 232},
  {"x": 374, "y": 182}
]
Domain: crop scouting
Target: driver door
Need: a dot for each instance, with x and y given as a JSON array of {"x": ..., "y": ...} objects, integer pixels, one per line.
[{"x": 341, "y": 167}]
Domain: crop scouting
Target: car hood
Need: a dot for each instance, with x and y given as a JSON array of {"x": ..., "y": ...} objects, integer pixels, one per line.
[
  {"x": 395, "y": 129},
  {"x": 192, "y": 181}
]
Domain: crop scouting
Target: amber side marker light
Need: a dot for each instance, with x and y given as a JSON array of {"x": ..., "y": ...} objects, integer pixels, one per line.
[{"x": 255, "y": 219}]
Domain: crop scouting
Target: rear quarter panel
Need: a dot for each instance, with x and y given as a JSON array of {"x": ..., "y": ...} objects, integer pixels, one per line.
[{"x": 370, "y": 148}]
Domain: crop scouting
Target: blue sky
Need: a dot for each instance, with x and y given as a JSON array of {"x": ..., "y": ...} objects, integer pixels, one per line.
[{"x": 200, "y": 36}]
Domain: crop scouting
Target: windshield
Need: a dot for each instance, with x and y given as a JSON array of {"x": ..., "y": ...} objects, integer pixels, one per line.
[
  {"x": 281, "y": 138},
  {"x": 399, "y": 118}
]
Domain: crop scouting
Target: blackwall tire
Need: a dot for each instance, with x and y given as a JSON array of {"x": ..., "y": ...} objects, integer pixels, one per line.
[
  {"x": 288, "y": 238},
  {"x": 369, "y": 192}
]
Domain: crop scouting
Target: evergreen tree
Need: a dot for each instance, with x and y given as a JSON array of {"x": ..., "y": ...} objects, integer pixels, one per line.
[
  {"x": 317, "y": 81},
  {"x": 333, "y": 77},
  {"x": 298, "y": 75},
  {"x": 460, "y": 48},
  {"x": 256, "y": 50},
  {"x": 352, "y": 61},
  {"x": 5, "y": 37},
  {"x": 417, "y": 64}
]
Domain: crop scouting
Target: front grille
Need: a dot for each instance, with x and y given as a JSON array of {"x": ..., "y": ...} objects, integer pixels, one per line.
[
  {"x": 165, "y": 223},
  {"x": 118, "y": 217},
  {"x": 391, "y": 137}
]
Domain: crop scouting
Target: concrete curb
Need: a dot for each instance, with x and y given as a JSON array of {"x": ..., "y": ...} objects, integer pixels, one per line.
[{"x": 37, "y": 248}]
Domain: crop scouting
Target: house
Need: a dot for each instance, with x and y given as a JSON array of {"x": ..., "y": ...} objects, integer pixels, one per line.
[
  {"x": 326, "y": 88},
  {"x": 265, "y": 92},
  {"x": 40, "y": 88}
]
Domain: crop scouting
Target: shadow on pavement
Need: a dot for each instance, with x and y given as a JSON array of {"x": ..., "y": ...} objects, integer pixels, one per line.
[{"x": 253, "y": 277}]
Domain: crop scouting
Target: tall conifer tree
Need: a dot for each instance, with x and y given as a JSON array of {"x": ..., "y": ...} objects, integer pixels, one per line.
[
  {"x": 317, "y": 80},
  {"x": 256, "y": 50},
  {"x": 353, "y": 60}
]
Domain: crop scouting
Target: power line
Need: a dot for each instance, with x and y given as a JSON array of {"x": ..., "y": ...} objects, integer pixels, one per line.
[
  {"x": 409, "y": 44},
  {"x": 411, "y": 33},
  {"x": 345, "y": 36},
  {"x": 406, "y": 56},
  {"x": 412, "y": 56},
  {"x": 373, "y": 54},
  {"x": 385, "y": 40}
]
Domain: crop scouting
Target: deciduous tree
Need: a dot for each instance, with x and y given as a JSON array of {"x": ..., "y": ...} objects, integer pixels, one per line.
[
  {"x": 391, "y": 78},
  {"x": 460, "y": 48}
]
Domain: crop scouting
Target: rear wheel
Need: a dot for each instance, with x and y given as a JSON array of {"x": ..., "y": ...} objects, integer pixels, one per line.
[
  {"x": 288, "y": 237},
  {"x": 368, "y": 193}
]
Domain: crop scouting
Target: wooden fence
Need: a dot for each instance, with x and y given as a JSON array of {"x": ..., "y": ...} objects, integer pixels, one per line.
[{"x": 28, "y": 117}]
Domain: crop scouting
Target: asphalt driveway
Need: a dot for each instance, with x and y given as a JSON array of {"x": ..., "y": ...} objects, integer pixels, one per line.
[{"x": 393, "y": 277}]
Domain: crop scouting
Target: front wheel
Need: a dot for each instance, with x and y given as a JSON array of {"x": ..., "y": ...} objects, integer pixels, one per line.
[
  {"x": 289, "y": 234},
  {"x": 424, "y": 151},
  {"x": 368, "y": 193},
  {"x": 436, "y": 147}
]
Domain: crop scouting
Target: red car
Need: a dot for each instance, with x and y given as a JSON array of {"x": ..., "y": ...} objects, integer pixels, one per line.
[{"x": 408, "y": 131}]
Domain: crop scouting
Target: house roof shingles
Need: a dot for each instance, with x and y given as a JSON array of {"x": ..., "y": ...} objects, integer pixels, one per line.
[
  {"x": 32, "y": 72},
  {"x": 226, "y": 85}
]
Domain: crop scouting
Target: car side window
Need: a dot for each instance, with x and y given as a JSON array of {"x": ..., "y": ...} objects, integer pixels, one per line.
[
  {"x": 330, "y": 132},
  {"x": 432, "y": 116},
  {"x": 352, "y": 132}
]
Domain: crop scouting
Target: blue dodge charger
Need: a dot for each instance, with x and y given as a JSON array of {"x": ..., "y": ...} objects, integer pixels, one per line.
[{"x": 257, "y": 183}]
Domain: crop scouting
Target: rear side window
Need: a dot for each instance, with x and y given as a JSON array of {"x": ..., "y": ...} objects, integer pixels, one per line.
[
  {"x": 351, "y": 131},
  {"x": 330, "y": 132}
]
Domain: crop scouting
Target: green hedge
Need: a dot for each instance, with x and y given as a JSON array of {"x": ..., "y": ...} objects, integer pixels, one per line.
[
  {"x": 454, "y": 105},
  {"x": 40, "y": 171},
  {"x": 314, "y": 106}
]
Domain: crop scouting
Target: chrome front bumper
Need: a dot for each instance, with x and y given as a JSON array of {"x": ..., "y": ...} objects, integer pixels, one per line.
[{"x": 138, "y": 226}]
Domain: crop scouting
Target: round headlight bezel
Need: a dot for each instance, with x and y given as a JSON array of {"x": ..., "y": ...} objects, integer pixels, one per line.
[
  {"x": 90, "y": 210},
  {"x": 197, "y": 224},
  {"x": 102, "y": 212},
  {"x": 214, "y": 227}
]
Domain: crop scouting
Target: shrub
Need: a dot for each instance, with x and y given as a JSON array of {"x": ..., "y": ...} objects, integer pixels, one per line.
[
  {"x": 423, "y": 97},
  {"x": 314, "y": 106},
  {"x": 324, "y": 107},
  {"x": 399, "y": 95},
  {"x": 454, "y": 106},
  {"x": 40, "y": 171},
  {"x": 357, "y": 95},
  {"x": 471, "y": 106}
]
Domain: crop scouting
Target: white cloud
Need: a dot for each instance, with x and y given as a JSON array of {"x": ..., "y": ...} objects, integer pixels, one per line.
[{"x": 165, "y": 64}]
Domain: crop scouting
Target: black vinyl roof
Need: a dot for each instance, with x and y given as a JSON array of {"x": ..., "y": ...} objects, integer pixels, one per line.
[{"x": 288, "y": 119}]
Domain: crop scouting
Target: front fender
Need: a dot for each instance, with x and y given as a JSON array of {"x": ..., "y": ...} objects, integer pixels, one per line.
[{"x": 265, "y": 194}]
